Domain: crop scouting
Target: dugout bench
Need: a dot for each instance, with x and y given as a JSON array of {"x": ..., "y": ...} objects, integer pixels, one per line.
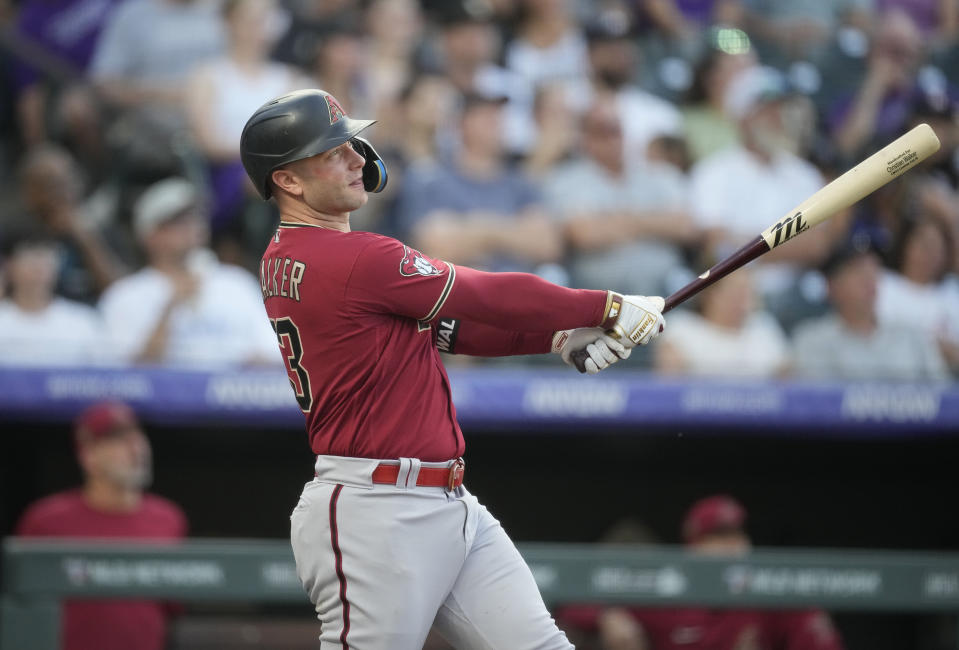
[{"x": 37, "y": 575}]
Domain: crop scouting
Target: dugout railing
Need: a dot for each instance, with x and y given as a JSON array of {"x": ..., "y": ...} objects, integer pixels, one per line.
[{"x": 38, "y": 575}]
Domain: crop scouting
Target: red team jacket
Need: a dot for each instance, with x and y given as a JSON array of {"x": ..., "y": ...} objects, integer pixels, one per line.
[
  {"x": 360, "y": 316},
  {"x": 107, "y": 624}
]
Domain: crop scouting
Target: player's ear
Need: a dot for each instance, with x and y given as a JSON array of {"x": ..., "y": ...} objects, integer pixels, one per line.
[{"x": 287, "y": 180}]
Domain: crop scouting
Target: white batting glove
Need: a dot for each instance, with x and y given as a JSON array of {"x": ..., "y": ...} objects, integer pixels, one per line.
[
  {"x": 602, "y": 350},
  {"x": 639, "y": 321}
]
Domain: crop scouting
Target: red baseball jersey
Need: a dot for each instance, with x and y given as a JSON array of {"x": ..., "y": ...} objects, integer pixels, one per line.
[
  {"x": 356, "y": 315},
  {"x": 107, "y": 624}
]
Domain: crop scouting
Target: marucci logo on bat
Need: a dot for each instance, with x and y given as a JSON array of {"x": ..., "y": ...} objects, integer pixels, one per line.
[{"x": 785, "y": 230}]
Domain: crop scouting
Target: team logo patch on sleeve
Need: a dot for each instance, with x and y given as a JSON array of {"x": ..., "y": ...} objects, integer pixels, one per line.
[{"x": 415, "y": 263}]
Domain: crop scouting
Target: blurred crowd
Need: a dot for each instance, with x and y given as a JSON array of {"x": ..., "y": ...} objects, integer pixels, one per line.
[{"x": 623, "y": 144}]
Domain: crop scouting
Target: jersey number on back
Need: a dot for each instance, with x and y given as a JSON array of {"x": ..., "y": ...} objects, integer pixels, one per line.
[{"x": 289, "y": 337}]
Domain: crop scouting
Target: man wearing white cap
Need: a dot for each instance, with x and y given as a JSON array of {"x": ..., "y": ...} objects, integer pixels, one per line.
[{"x": 184, "y": 307}]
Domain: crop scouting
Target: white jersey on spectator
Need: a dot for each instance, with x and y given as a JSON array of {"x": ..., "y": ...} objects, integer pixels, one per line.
[
  {"x": 757, "y": 350},
  {"x": 930, "y": 309},
  {"x": 66, "y": 333},
  {"x": 734, "y": 190},
  {"x": 826, "y": 349},
  {"x": 566, "y": 61},
  {"x": 236, "y": 96},
  {"x": 224, "y": 324},
  {"x": 645, "y": 117}
]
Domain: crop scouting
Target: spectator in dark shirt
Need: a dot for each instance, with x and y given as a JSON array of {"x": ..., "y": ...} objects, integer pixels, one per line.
[{"x": 89, "y": 246}]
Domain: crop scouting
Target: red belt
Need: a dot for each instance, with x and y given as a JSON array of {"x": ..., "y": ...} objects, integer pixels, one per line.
[{"x": 445, "y": 477}]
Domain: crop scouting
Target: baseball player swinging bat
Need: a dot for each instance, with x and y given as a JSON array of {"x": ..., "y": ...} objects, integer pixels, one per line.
[{"x": 888, "y": 163}]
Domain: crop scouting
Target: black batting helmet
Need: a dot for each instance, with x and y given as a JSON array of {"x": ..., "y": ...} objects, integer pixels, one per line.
[{"x": 299, "y": 125}]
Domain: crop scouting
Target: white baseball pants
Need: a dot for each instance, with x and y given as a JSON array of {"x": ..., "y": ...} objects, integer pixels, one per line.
[{"x": 384, "y": 563}]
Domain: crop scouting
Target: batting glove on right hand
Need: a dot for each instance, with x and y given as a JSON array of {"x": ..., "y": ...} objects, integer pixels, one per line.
[
  {"x": 640, "y": 320},
  {"x": 589, "y": 349}
]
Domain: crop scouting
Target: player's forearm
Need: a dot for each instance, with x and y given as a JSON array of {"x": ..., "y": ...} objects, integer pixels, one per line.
[
  {"x": 521, "y": 302},
  {"x": 480, "y": 340}
]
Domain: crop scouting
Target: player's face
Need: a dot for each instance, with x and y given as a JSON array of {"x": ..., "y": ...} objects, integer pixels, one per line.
[
  {"x": 332, "y": 182},
  {"x": 123, "y": 459}
]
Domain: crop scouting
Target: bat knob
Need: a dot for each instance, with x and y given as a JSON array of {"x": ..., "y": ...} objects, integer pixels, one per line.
[{"x": 579, "y": 358}]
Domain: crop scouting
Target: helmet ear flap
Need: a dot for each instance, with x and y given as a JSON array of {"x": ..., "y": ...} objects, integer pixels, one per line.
[{"x": 374, "y": 170}]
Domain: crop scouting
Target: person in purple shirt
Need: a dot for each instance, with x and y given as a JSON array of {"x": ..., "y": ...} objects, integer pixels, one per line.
[
  {"x": 57, "y": 39},
  {"x": 938, "y": 20},
  {"x": 684, "y": 19},
  {"x": 879, "y": 109}
]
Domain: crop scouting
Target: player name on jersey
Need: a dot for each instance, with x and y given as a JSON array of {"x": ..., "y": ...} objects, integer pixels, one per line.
[{"x": 281, "y": 276}]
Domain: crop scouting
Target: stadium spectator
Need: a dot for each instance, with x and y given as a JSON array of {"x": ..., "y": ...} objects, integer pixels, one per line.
[
  {"x": 613, "y": 64},
  {"x": 878, "y": 110},
  {"x": 940, "y": 110},
  {"x": 57, "y": 44},
  {"x": 628, "y": 229},
  {"x": 713, "y": 526},
  {"x": 424, "y": 113},
  {"x": 556, "y": 131},
  {"x": 549, "y": 46},
  {"x": 394, "y": 32},
  {"x": 734, "y": 191},
  {"x": 89, "y": 244},
  {"x": 310, "y": 21},
  {"x": 148, "y": 48},
  {"x": 467, "y": 52},
  {"x": 670, "y": 150},
  {"x": 428, "y": 108},
  {"x": 706, "y": 124},
  {"x": 474, "y": 209},
  {"x": 185, "y": 308},
  {"x": 686, "y": 21},
  {"x": 675, "y": 33},
  {"x": 852, "y": 343},
  {"x": 938, "y": 20},
  {"x": 804, "y": 30},
  {"x": 115, "y": 457},
  {"x": 223, "y": 92},
  {"x": 340, "y": 65},
  {"x": 37, "y": 327},
  {"x": 729, "y": 336},
  {"x": 922, "y": 284}
]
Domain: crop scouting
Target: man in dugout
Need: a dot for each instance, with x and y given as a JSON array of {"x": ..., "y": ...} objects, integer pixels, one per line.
[{"x": 715, "y": 526}]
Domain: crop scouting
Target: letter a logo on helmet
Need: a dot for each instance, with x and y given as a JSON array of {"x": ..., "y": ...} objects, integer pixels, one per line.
[
  {"x": 415, "y": 263},
  {"x": 336, "y": 111}
]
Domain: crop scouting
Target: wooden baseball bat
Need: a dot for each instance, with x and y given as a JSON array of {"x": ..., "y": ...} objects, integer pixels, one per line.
[{"x": 890, "y": 162}]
